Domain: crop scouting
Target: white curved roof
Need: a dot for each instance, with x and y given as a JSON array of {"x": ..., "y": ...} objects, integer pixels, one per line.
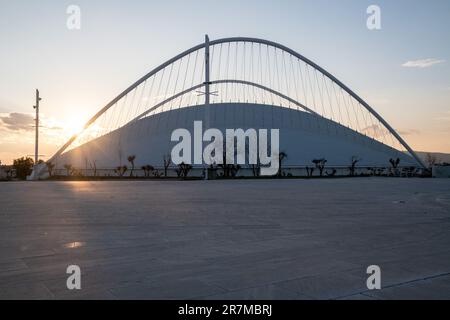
[{"x": 303, "y": 137}]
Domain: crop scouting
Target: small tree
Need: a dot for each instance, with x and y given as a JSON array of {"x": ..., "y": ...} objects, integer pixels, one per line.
[
  {"x": 281, "y": 157},
  {"x": 120, "y": 170},
  {"x": 320, "y": 164},
  {"x": 156, "y": 173},
  {"x": 50, "y": 167},
  {"x": 93, "y": 166},
  {"x": 354, "y": 160},
  {"x": 229, "y": 170},
  {"x": 431, "y": 159},
  {"x": 147, "y": 169},
  {"x": 69, "y": 169},
  {"x": 131, "y": 160},
  {"x": 23, "y": 167},
  {"x": 234, "y": 169},
  {"x": 167, "y": 161},
  {"x": 256, "y": 168},
  {"x": 394, "y": 163},
  {"x": 77, "y": 172},
  {"x": 309, "y": 171},
  {"x": 183, "y": 170}
]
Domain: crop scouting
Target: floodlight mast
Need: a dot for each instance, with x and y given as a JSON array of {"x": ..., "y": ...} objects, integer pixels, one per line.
[
  {"x": 36, "y": 143},
  {"x": 207, "y": 70},
  {"x": 207, "y": 88}
]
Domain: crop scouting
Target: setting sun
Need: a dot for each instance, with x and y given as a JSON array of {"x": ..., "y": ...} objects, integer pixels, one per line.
[{"x": 74, "y": 124}]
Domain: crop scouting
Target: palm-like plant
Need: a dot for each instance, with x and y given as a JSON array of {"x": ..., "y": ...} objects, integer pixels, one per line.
[
  {"x": 394, "y": 163},
  {"x": 131, "y": 159}
]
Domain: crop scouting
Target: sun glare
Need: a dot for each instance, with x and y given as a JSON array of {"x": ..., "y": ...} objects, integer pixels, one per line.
[{"x": 74, "y": 125}]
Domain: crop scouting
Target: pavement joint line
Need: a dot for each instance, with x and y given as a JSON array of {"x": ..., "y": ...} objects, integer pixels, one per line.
[{"x": 399, "y": 284}]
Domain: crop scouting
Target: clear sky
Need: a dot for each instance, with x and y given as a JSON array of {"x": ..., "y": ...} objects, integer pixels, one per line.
[{"x": 402, "y": 70}]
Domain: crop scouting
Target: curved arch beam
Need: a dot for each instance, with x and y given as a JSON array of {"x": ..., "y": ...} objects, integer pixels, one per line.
[
  {"x": 251, "y": 40},
  {"x": 331, "y": 77},
  {"x": 220, "y": 82}
]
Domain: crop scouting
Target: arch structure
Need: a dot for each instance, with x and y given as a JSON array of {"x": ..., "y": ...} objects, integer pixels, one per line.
[{"x": 246, "y": 72}]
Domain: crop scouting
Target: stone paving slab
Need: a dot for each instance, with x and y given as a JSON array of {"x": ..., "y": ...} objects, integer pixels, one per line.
[{"x": 241, "y": 239}]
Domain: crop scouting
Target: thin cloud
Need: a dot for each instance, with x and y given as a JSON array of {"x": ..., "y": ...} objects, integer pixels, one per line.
[
  {"x": 17, "y": 121},
  {"x": 422, "y": 63},
  {"x": 408, "y": 132},
  {"x": 25, "y": 122}
]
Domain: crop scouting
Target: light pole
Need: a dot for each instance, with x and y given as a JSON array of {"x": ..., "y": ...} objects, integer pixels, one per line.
[
  {"x": 36, "y": 147},
  {"x": 207, "y": 92}
]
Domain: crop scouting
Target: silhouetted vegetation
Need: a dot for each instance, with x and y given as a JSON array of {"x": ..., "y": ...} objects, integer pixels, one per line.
[
  {"x": 183, "y": 170},
  {"x": 394, "y": 162},
  {"x": 256, "y": 168},
  {"x": 167, "y": 161},
  {"x": 228, "y": 170},
  {"x": 50, "y": 167},
  {"x": 431, "y": 159},
  {"x": 69, "y": 169},
  {"x": 7, "y": 170},
  {"x": 281, "y": 157},
  {"x": 309, "y": 171},
  {"x": 93, "y": 166},
  {"x": 131, "y": 159},
  {"x": 23, "y": 167},
  {"x": 148, "y": 169},
  {"x": 320, "y": 164},
  {"x": 354, "y": 160},
  {"x": 394, "y": 165},
  {"x": 120, "y": 170}
]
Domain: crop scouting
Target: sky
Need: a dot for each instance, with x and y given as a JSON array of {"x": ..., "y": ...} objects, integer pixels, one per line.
[{"x": 401, "y": 70}]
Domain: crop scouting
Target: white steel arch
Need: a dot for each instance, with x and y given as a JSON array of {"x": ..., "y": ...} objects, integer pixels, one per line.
[
  {"x": 245, "y": 40},
  {"x": 220, "y": 82}
]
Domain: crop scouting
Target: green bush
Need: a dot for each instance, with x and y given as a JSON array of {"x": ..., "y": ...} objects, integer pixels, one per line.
[{"x": 23, "y": 167}]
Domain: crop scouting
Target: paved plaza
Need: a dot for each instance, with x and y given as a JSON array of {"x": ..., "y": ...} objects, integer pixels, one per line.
[{"x": 240, "y": 239}]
